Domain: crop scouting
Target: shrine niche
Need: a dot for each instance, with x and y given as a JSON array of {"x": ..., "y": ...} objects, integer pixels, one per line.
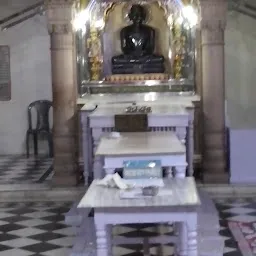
[{"x": 136, "y": 43}]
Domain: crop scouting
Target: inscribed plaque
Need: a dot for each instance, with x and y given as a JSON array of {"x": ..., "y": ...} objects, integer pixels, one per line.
[
  {"x": 131, "y": 123},
  {"x": 5, "y": 74}
]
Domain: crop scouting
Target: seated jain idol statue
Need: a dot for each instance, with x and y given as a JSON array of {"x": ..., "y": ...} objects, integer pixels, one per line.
[{"x": 137, "y": 43}]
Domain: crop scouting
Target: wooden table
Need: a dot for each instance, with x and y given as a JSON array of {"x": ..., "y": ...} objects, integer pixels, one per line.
[
  {"x": 163, "y": 146},
  {"x": 110, "y": 209}
]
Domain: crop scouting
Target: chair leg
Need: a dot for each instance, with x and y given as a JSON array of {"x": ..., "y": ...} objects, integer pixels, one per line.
[
  {"x": 35, "y": 137},
  {"x": 50, "y": 143},
  {"x": 27, "y": 144}
]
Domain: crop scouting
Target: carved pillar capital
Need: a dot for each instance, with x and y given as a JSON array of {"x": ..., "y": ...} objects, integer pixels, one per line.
[
  {"x": 213, "y": 21},
  {"x": 213, "y": 10},
  {"x": 59, "y": 14}
]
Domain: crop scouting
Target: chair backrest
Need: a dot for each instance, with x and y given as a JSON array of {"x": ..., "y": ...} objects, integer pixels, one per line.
[{"x": 42, "y": 108}]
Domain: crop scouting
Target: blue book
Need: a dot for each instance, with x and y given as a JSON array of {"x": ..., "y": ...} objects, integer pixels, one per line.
[{"x": 142, "y": 169}]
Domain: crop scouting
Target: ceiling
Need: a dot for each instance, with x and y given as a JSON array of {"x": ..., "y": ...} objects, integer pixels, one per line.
[
  {"x": 252, "y": 2},
  {"x": 9, "y": 7},
  {"x": 245, "y": 7},
  {"x": 13, "y": 12}
]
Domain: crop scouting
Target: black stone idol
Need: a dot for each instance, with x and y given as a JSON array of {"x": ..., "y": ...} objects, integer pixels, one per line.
[{"x": 138, "y": 44}]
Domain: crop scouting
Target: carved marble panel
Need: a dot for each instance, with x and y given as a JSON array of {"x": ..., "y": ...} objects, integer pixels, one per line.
[{"x": 5, "y": 76}]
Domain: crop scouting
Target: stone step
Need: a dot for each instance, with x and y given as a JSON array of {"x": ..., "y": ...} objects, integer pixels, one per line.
[
  {"x": 207, "y": 204},
  {"x": 210, "y": 242},
  {"x": 206, "y": 247},
  {"x": 86, "y": 239},
  {"x": 208, "y": 216},
  {"x": 74, "y": 217},
  {"x": 208, "y": 222},
  {"x": 211, "y": 246}
]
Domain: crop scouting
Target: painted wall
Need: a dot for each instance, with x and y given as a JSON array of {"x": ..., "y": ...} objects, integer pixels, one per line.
[
  {"x": 240, "y": 52},
  {"x": 30, "y": 77}
]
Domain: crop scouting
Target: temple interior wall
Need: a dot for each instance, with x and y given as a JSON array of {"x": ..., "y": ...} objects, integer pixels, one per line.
[
  {"x": 30, "y": 80},
  {"x": 31, "y": 75},
  {"x": 240, "y": 52}
]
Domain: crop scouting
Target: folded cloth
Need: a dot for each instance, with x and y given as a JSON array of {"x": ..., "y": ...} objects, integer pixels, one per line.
[{"x": 113, "y": 180}]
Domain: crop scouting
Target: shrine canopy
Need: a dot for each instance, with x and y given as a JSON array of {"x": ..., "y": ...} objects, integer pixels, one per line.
[{"x": 161, "y": 52}]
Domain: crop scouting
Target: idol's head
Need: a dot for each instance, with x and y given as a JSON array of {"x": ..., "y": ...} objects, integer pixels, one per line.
[{"x": 137, "y": 13}]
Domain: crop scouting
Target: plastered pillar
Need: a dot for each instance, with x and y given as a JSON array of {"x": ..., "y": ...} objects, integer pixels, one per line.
[
  {"x": 64, "y": 90},
  {"x": 213, "y": 22}
]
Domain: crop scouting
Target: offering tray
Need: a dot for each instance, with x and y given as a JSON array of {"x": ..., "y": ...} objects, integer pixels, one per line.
[
  {"x": 137, "y": 193},
  {"x": 144, "y": 188}
]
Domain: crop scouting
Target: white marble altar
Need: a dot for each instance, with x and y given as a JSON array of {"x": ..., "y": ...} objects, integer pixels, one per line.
[
  {"x": 104, "y": 101},
  {"x": 163, "y": 146},
  {"x": 163, "y": 117},
  {"x": 110, "y": 209}
]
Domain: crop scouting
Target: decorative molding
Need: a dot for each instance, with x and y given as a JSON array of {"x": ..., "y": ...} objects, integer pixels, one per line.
[
  {"x": 213, "y": 24},
  {"x": 213, "y": 14},
  {"x": 60, "y": 28},
  {"x": 59, "y": 14},
  {"x": 213, "y": 21},
  {"x": 212, "y": 37}
]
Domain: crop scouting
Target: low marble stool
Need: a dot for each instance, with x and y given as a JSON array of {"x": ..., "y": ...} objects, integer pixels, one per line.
[{"x": 163, "y": 146}]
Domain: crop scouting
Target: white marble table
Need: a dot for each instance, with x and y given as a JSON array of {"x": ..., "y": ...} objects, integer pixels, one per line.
[
  {"x": 109, "y": 209},
  {"x": 163, "y": 146}
]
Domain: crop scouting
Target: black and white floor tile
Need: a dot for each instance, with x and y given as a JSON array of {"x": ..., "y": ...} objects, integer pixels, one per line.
[
  {"x": 236, "y": 210},
  {"x": 38, "y": 229},
  {"x": 34, "y": 229},
  {"x": 20, "y": 170}
]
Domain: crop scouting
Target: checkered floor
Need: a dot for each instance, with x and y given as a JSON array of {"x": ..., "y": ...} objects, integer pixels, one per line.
[
  {"x": 244, "y": 210},
  {"x": 38, "y": 229},
  {"x": 20, "y": 170},
  {"x": 34, "y": 229}
]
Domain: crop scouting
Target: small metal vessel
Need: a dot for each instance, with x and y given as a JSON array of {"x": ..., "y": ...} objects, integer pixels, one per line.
[{"x": 150, "y": 191}]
